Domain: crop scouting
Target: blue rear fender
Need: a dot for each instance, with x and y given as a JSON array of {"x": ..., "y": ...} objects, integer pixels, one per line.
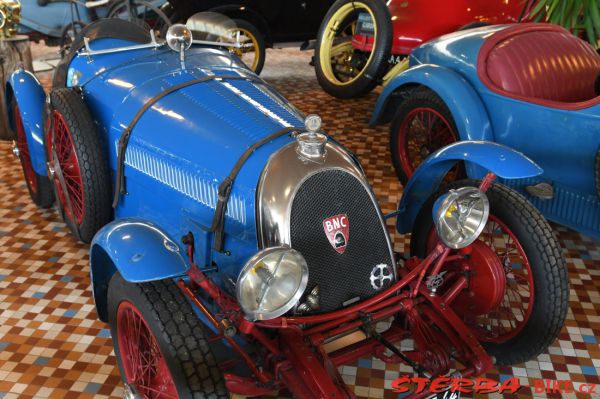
[
  {"x": 24, "y": 87},
  {"x": 139, "y": 250},
  {"x": 497, "y": 158},
  {"x": 466, "y": 107}
]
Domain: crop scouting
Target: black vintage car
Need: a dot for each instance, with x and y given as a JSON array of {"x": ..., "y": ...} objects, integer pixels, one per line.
[{"x": 262, "y": 23}]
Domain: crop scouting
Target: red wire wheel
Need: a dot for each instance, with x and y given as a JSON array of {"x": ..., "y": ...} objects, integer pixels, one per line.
[
  {"x": 423, "y": 131},
  {"x": 499, "y": 300},
  {"x": 143, "y": 364},
  {"x": 62, "y": 144},
  {"x": 422, "y": 125},
  {"x": 30, "y": 176},
  {"x": 163, "y": 349},
  {"x": 75, "y": 150},
  {"x": 517, "y": 291}
]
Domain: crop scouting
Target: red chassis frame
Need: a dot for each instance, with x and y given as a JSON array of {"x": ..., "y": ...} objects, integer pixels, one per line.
[{"x": 295, "y": 359}]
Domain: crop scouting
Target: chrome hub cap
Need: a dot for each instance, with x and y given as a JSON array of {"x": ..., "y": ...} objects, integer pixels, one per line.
[{"x": 131, "y": 392}]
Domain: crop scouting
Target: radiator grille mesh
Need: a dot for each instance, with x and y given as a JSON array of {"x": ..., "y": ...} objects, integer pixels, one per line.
[{"x": 347, "y": 275}]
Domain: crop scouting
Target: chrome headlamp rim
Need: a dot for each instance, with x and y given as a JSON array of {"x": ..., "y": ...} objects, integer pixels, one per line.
[
  {"x": 450, "y": 198},
  {"x": 294, "y": 299}
]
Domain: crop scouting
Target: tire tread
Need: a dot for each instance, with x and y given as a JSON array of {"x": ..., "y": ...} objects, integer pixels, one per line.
[
  {"x": 181, "y": 335},
  {"x": 92, "y": 162},
  {"x": 548, "y": 268}
]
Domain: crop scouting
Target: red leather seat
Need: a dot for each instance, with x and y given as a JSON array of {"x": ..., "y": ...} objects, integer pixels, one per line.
[{"x": 540, "y": 63}]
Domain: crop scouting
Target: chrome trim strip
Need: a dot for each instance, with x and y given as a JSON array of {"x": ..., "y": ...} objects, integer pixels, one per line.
[{"x": 281, "y": 178}]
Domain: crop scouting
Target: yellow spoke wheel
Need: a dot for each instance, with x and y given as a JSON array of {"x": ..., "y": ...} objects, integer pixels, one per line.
[
  {"x": 343, "y": 69},
  {"x": 253, "y": 51}
]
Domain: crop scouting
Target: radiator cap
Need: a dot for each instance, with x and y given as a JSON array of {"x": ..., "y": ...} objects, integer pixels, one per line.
[{"x": 311, "y": 143}]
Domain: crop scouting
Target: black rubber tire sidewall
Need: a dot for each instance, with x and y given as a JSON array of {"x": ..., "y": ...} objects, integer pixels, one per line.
[
  {"x": 92, "y": 163},
  {"x": 551, "y": 284},
  {"x": 178, "y": 331},
  {"x": 43, "y": 197},
  {"x": 133, "y": 18},
  {"x": 378, "y": 63},
  {"x": 418, "y": 97},
  {"x": 260, "y": 39},
  {"x": 8, "y": 134}
]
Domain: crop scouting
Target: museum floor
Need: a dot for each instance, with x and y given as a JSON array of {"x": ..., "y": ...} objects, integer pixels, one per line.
[{"x": 52, "y": 346}]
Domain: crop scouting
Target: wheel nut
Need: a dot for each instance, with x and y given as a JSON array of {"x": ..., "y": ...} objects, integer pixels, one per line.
[
  {"x": 227, "y": 328},
  {"x": 49, "y": 170},
  {"x": 15, "y": 150}
]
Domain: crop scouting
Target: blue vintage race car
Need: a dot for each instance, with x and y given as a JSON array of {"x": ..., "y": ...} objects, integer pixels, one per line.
[
  {"x": 532, "y": 87},
  {"x": 233, "y": 242}
]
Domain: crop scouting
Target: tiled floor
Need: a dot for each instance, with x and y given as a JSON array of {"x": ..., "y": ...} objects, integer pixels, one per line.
[{"x": 51, "y": 345}]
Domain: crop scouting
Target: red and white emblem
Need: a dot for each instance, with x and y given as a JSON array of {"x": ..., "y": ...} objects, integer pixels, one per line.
[{"x": 337, "y": 229}]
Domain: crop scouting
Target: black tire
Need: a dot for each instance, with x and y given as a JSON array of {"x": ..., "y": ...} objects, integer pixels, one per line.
[
  {"x": 549, "y": 272},
  {"x": 8, "y": 134},
  {"x": 473, "y": 25},
  {"x": 260, "y": 40},
  {"x": 419, "y": 98},
  {"x": 67, "y": 36},
  {"x": 374, "y": 67},
  {"x": 39, "y": 186},
  {"x": 180, "y": 335},
  {"x": 160, "y": 24},
  {"x": 91, "y": 160}
]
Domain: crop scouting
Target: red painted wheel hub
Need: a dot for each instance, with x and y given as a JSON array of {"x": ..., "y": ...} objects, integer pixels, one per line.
[
  {"x": 143, "y": 363},
  {"x": 423, "y": 131},
  {"x": 498, "y": 300},
  {"x": 24, "y": 152},
  {"x": 63, "y": 145},
  {"x": 487, "y": 282}
]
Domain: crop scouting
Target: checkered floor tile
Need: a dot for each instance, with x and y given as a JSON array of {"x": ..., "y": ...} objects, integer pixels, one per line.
[{"x": 52, "y": 346}]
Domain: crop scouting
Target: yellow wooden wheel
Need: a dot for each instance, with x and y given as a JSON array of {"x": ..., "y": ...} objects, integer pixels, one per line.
[
  {"x": 253, "y": 51},
  {"x": 344, "y": 69},
  {"x": 337, "y": 56}
]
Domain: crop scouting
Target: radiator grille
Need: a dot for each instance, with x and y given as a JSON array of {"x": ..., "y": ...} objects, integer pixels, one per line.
[{"x": 340, "y": 276}]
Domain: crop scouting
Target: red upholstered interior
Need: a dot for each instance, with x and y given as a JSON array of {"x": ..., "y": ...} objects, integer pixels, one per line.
[{"x": 540, "y": 63}]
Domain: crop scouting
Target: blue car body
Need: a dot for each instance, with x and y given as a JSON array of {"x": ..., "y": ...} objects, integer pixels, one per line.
[
  {"x": 565, "y": 143},
  {"x": 186, "y": 144}
]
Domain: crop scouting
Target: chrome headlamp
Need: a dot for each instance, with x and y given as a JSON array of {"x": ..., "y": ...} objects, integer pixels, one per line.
[
  {"x": 460, "y": 216},
  {"x": 271, "y": 283}
]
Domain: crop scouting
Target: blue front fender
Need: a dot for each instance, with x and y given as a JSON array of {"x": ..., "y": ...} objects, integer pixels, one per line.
[
  {"x": 30, "y": 97},
  {"x": 497, "y": 158},
  {"x": 464, "y": 103},
  {"x": 139, "y": 250}
]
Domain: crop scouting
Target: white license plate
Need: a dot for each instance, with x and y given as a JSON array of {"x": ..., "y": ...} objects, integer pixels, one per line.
[{"x": 364, "y": 25}]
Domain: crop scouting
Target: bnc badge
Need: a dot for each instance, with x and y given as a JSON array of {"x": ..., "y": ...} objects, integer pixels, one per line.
[
  {"x": 381, "y": 274},
  {"x": 337, "y": 230}
]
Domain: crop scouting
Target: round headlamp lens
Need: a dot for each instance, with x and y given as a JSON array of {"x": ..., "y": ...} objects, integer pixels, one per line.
[
  {"x": 461, "y": 216},
  {"x": 271, "y": 283}
]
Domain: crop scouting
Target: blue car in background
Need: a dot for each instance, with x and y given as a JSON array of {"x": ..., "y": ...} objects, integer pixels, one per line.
[
  {"x": 231, "y": 239},
  {"x": 58, "y": 21},
  {"x": 532, "y": 87}
]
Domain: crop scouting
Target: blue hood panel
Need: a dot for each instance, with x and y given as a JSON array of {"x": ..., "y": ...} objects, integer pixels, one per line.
[{"x": 190, "y": 139}]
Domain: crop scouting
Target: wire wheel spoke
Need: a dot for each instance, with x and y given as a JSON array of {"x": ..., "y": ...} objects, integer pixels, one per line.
[
  {"x": 141, "y": 358},
  {"x": 511, "y": 315},
  {"x": 71, "y": 196}
]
